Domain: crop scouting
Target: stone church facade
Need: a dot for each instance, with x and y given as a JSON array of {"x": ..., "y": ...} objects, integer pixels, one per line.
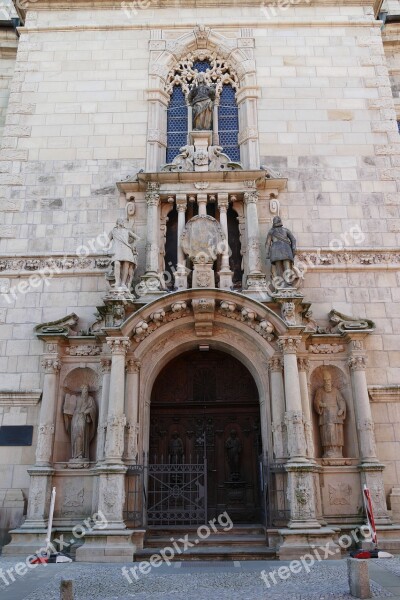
[{"x": 205, "y": 385}]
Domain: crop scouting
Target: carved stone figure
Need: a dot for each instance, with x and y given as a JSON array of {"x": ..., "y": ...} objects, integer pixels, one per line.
[
  {"x": 233, "y": 450},
  {"x": 125, "y": 256},
  {"x": 281, "y": 248},
  {"x": 184, "y": 161},
  {"x": 331, "y": 408},
  {"x": 175, "y": 449},
  {"x": 201, "y": 98},
  {"x": 80, "y": 416}
]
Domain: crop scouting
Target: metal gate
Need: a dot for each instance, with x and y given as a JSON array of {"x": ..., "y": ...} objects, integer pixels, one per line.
[
  {"x": 273, "y": 489},
  {"x": 166, "y": 494},
  {"x": 177, "y": 494}
]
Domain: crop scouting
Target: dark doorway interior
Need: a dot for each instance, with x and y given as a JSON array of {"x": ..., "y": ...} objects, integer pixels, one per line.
[{"x": 205, "y": 405}]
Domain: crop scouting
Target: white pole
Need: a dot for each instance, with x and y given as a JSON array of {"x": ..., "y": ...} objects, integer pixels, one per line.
[{"x": 51, "y": 515}]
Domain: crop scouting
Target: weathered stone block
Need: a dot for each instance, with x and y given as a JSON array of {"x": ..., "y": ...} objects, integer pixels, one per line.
[
  {"x": 66, "y": 589},
  {"x": 357, "y": 571}
]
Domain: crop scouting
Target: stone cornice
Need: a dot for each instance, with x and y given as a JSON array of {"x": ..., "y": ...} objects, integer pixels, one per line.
[
  {"x": 384, "y": 393},
  {"x": 53, "y": 265},
  {"x": 348, "y": 259},
  {"x": 20, "y": 397},
  {"x": 268, "y": 24},
  {"x": 162, "y": 4}
]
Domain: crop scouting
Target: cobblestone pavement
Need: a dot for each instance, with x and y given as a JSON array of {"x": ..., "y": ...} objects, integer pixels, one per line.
[{"x": 182, "y": 581}]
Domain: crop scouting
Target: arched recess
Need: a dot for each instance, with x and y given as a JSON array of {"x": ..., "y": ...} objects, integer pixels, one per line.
[
  {"x": 175, "y": 324},
  {"x": 165, "y": 54}
]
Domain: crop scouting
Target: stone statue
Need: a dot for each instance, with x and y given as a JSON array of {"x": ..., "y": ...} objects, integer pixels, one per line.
[
  {"x": 175, "y": 449},
  {"x": 125, "y": 256},
  {"x": 80, "y": 416},
  {"x": 233, "y": 450},
  {"x": 331, "y": 407},
  {"x": 201, "y": 98},
  {"x": 281, "y": 248}
]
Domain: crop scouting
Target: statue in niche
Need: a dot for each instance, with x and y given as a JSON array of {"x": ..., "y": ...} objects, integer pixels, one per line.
[
  {"x": 125, "y": 255},
  {"x": 80, "y": 416},
  {"x": 175, "y": 449},
  {"x": 233, "y": 449},
  {"x": 281, "y": 249},
  {"x": 201, "y": 98},
  {"x": 331, "y": 408}
]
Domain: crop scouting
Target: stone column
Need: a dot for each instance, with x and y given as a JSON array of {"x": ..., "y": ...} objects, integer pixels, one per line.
[
  {"x": 225, "y": 274},
  {"x": 44, "y": 448},
  {"x": 202, "y": 204},
  {"x": 301, "y": 491},
  {"x": 105, "y": 362},
  {"x": 256, "y": 279},
  {"x": 41, "y": 474},
  {"x": 365, "y": 424},
  {"x": 215, "y": 137},
  {"x": 116, "y": 418},
  {"x": 303, "y": 366},
  {"x": 294, "y": 409},
  {"x": 111, "y": 494},
  {"x": 151, "y": 279},
  {"x": 277, "y": 407},
  {"x": 370, "y": 468},
  {"x": 180, "y": 275},
  {"x": 132, "y": 410}
]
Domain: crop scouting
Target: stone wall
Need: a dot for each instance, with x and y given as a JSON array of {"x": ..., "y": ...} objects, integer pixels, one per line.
[{"x": 77, "y": 122}]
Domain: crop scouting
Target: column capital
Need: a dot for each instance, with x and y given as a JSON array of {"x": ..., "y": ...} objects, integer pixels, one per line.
[
  {"x": 303, "y": 363},
  {"x": 275, "y": 364},
  {"x": 289, "y": 345},
  {"x": 223, "y": 201},
  {"x": 181, "y": 203},
  {"x": 133, "y": 365},
  {"x": 51, "y": 365},
  {"x": 118, "y": 345},
  {"x": 105, "y": 364},
  {"x": 251, "y": 197},
  {"x": 153, "y": 194},
  {"x": 357, "y": 363}
]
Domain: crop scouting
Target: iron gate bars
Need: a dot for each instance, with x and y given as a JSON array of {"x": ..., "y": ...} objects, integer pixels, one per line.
[{"x": 177, "y": 494}]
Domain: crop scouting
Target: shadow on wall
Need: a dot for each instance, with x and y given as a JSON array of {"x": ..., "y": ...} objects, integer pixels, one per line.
[{"x": 13, "y": 506}]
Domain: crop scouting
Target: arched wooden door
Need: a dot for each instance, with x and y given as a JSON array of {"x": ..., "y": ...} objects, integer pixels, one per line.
[{"x": 206, "y": 404}]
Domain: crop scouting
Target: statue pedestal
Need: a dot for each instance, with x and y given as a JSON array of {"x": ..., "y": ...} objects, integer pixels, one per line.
[
  {"x": 203, "y": 276},
  {"x": 201, "y": 140}
]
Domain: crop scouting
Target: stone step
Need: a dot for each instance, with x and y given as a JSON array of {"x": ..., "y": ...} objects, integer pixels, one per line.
[
  {"x": 208, "y": 553},
  {"x": 213, "y": 540},
  {"x": 178, "y": 530}
]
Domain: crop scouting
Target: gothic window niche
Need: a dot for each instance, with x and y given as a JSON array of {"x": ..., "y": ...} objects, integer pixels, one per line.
[
  {"x": 332, "y": 414},
  {"x": 232, "y": 60},
  {"x": 219, "y": 75}
]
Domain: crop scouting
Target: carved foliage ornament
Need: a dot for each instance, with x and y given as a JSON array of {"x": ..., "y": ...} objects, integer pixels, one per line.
[{"x": 184, "y": 74}]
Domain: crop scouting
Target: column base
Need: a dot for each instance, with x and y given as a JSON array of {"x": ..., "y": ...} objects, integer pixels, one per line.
[
  {"x": 225, "y": 280},
  {"x": 181, "y": 281},
  {"x": 150, "y": 286},
  {"x": 107, "y": 546},
  {"x": 388, "y": 538},
  {"x": 299, "y": 542},
  {"x": 25, "y": 541}
]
